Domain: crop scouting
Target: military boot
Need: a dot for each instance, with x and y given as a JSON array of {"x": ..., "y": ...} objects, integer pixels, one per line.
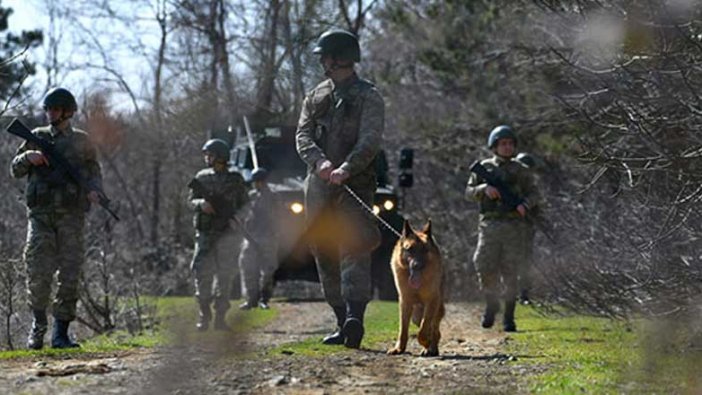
[
  {"x": 39, "y": 327},
  {"x": 492, "y": 307},
  {"x": 204, "y": 317},
  {"x": 265, "y": 298},
  {"x": 353, "y": 326},
  {"x": 337, "y": 338},
  {"x": 59, "y": 337},
  {"x": 524, "y": 297},
  {"x": 508, "y": 323},
  {"x": 220, "y": 323}
]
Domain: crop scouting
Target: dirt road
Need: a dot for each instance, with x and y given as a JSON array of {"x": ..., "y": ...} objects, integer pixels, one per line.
[{"x": 472, "y": 361}]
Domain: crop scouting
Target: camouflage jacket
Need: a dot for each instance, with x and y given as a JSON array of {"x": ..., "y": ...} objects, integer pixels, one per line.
[
  {"x": 50, "y": 189},
  {"x": 264, "y": 211},
  {"x": 228, "y": 186},
  {"x": 515, "y": 175},
  {"x": 342, "y": 123}
]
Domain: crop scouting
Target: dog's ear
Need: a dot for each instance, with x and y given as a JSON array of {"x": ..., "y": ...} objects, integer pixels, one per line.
[
  {"x": 427, "y": 228},
  {"x": 407, "y": 229}
]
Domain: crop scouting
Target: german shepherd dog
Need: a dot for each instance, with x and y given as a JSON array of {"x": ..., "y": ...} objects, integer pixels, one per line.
[{"x": 416, "y": 265}]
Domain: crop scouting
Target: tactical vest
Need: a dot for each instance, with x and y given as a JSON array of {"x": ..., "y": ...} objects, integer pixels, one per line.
[
  {"x": 51, "y": 188},
  {"x": 226, "y": 185},
  {"x": 337, "y": 116},
  {"x": 509, "y": 174}
]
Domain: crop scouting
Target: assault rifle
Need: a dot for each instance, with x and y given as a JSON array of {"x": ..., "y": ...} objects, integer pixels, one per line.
[
  {"x": 59, "y": 163},
  {"x": 510, "y": 200},
  {"x": 223, "y": 208}
]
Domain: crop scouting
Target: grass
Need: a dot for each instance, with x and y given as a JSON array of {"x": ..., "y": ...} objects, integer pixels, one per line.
[
  {"x": 574, "y": 353},
  {"x": 595, "y": 355},
  {"x": 174, "y": 321},
  {"x": 380, "y": 325}
]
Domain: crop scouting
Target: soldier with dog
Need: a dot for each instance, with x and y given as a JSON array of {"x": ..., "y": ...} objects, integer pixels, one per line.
[{"x": 338, "y": 136}]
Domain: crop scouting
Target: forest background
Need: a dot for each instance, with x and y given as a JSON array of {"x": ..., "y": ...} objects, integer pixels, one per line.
[{"x": 605, "y": 94}]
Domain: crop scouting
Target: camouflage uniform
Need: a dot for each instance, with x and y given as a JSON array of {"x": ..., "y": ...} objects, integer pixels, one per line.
[
  {"x": 502, "y": 234},
  {"x": 216, "y": 243},
  {"x": 56, "y": 211},
  {"x": 258, "y": 265},
  {"x": 344, "y": 125}
]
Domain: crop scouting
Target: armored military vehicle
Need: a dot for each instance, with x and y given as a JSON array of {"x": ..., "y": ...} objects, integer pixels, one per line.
[{"x": 275, "y": 149}]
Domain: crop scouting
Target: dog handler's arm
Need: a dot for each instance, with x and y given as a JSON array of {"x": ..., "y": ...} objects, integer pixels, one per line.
[{"x": 305, "y": 142}]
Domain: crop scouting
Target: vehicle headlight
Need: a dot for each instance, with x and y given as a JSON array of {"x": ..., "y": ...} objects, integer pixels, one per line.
[
  {"x": 297, "y": 207},
  {"x": 376, "y": 209},
  {"x": 388, "y": 205}
]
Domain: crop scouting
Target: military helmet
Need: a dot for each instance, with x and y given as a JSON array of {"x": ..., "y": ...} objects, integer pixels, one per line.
[
  {"x": 61, "y": 98},
  {"x": 340, "y": 44},
  {"x": 259, "y": 174},
  {"x": 527, "y": 159},
  {"x": 218, "y": 147},
  {"x": 501, "y": 132}
]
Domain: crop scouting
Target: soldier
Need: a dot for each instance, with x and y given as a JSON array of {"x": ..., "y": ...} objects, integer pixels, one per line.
[
  {"x": 258, "y": 262},
  {"x": 524, "y": 271},
  {"x": 338, "y": 136},
  {"x": 501, "y": 238},
  {"x": 216, "y": 193},
  {"x": 56, "y": 208}
]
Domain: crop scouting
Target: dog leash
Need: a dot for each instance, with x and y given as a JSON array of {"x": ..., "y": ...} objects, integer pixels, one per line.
[{"x": 370, "y": 210}]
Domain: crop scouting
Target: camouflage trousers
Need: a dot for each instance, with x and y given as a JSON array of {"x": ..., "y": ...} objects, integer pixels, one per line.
[
  {"x": 213, "y": 265},
  {"x": 343, "y": 237},
  {"x": 499, "y": 254},
  {"x": 257, "y": 267},
  {"x": 55, "y": 244},
  {"x": 527, "y": 263}
]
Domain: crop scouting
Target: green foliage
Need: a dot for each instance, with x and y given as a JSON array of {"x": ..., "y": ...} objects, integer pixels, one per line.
[
  {"x": 175, "y": 317},
  {"x": 381, "y": 324},
  {"x": 596, "y": 355},
  {"x": 10, "y": 45}
]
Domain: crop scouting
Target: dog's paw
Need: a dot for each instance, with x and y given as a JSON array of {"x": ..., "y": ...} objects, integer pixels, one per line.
[
  {"x": 395, "y": 351},
  {"x": 427, "y": 352}
]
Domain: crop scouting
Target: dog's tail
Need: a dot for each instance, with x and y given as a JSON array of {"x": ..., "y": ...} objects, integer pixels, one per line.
[{"x": 417, "y": 313}]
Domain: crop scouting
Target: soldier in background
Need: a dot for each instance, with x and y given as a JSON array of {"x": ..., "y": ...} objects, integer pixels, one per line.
[
  {"x": 217, "y": 243},
  {"x": 524, "y": 271},
  {"x": 56, "y": 211},
  {"x": 501, "y": 238},
  {"x": 338, "y": 136},
  {"x": 258, "y": 262}
]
